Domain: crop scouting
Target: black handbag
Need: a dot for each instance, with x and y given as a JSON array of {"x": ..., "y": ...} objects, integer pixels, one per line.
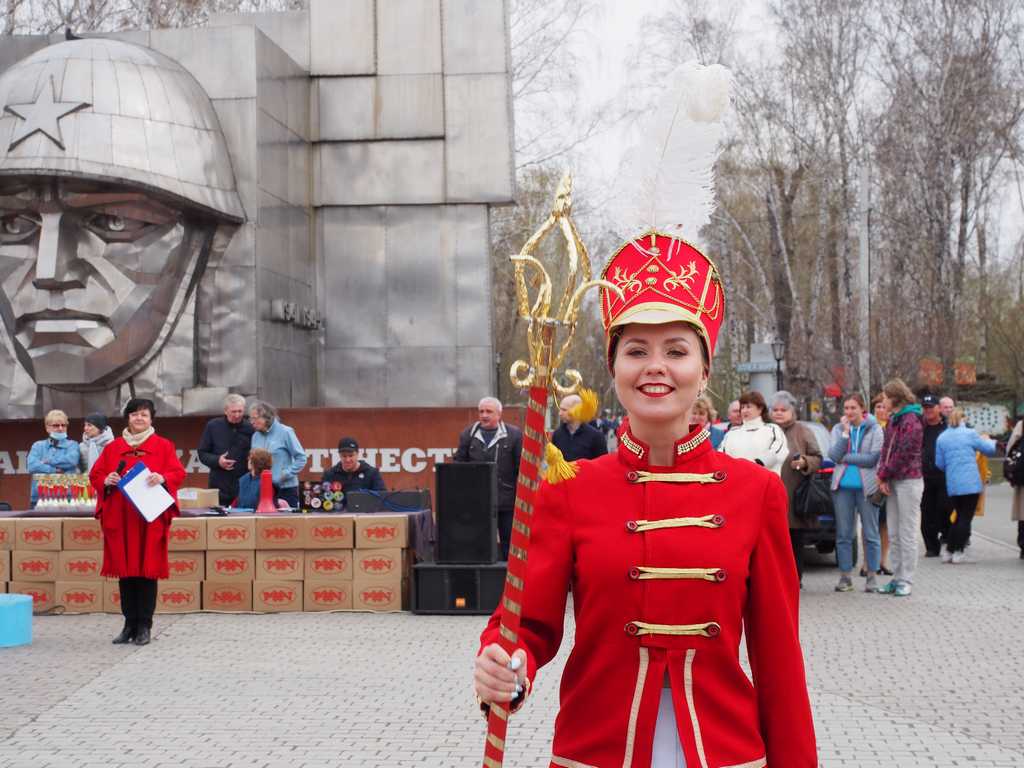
[{"x": 812, "y": 498}]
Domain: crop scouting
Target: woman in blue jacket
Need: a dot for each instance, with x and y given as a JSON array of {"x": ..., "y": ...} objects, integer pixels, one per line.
[
  {"x": 955, "y": 455},
  {"x": 56, "y": 455}
]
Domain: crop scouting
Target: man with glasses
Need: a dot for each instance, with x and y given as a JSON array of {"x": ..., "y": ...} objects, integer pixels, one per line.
[{"x": 56, "y": 455}]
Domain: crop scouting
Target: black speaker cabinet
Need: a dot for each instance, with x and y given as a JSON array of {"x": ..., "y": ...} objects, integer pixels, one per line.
[
  {"x": 467, "y": 512},
  {"x": 454, "y": 589}
]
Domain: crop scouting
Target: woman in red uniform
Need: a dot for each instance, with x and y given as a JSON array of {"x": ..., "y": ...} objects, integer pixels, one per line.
[
  {"x": 134, "y": 551},
  {"x": 672, "y": 550}
]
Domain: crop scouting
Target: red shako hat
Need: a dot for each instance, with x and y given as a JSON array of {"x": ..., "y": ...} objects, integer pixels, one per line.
[{"x": 664, "y": 279}]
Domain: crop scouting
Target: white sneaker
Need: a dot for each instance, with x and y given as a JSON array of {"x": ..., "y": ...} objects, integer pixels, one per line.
[
  {"x": 946, "y": 556},
  {"x": 960, "y": 558}
]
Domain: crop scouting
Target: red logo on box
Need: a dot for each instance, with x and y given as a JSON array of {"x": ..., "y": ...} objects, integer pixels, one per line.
[
  {"x": 3, "y": 536},
  {"x": 184, "y": 565},
  {"x": 328, "y": 564},
  {"x": 80, "y": 598},
  {"x": 381, "y": 532},
  {"x": 38, "y": 596},
  {"x": 184, "y": 534},
  {"x": 279, "y": 533},
  {"x": 378, "y": 596},
  {"x": 231, "y": 565},
  {"x": 328, "y": 532},
  {"x": 279, "y": 596},
  {"x": 328, "y": 596},
  {"x": 82, "y": 566},
  {"x": 281, "y": 565},
  {"x": 115, "y": 597},
  {"x": 176, "y": 597},
  {"x": 88, "y": 535},
  {"x": 232, "y": 533},
  {"x": 377, "y": 564},
  {"x": 227, "y": 596},
  {"x": 34, "y": 566},
  {"x": 37, "y": 534}
]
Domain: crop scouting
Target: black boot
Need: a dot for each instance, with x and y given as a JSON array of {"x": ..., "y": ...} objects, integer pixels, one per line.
[
  {"x": 142, "y": 636},
  {"x": 146, "y": 608},
  {"x": 126, "y": 636},
  {"x": 127, "y": 610}
]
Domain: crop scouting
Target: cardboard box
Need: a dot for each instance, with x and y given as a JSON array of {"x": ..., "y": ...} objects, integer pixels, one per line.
[
  {"x": 379, "y": 564},
  {"x": 79, "y": 596},
  {"x": 381, "y": 531},
  {"x": 276, "y": 596},
  {"x": 38, "y": 534},
  {"x": 328, "y": 565},
  {"x": 34, "y": 566},
  {"x": 7, "y": 535},
  {"x": 82, "y": 534},
  {"x": 230, "y": 565},
  {"x": 186, "y": 566},
  {"x": 227, "y": 596},
  {"x": 80, "y": 566},
  {"x": 178, "y": 597},
  {"x": 230, "y": 533},
  {"x": 329, "y": 531},
  {"x": 198, "y": 498},
  {"x": 5, "y": 565},
  {"x": 280, "y": 532},
  {"x": 187, "y": 534},
  {"x": 41, "y": 593},
  {"x": 326, "y": 595},
  {"x": 376, "y": 594},
  {"x": 111, "y": 596},
  {"x": 286, "y": 564}
]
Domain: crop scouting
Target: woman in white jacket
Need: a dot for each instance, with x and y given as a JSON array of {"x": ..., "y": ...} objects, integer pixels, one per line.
[
  {"x": 95, "y": 436},
  {"x": 759, "y": 441}
]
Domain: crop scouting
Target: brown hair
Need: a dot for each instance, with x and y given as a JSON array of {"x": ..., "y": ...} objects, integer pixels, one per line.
[
  {"x": 855, "y": 396},
  {"x": 876, "y": 400},
  {"x": 753, "y": 397},
  {"x": 260, "y": 460},
  {"x": 898, "y": 393}
]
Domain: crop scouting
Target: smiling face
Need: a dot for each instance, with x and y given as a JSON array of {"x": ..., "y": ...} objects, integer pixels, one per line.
[
  {"x": 853, "y": 412},
  {"x": 139, "y": 421},
  {"x": 658, "y": 372},
  {"x": 93, "y": 277}
]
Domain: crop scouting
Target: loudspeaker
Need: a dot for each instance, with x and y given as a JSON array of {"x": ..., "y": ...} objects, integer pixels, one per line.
[
  {"x": 453, "y": 589},
  {"x": 467, "y": 512}
]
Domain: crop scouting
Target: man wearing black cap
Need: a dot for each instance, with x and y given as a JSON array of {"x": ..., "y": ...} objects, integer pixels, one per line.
[
  {"x": 935, "y": 504},
  {"x": 353, "y": 473}
]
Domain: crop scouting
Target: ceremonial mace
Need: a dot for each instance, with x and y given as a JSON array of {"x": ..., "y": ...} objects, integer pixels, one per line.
[{"x": 538, "y": 375}]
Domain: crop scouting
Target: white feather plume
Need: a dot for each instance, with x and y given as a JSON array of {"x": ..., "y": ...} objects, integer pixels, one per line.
[{"x": 666, "y": 181}]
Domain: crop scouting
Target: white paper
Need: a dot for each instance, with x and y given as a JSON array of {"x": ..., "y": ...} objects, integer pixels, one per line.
[{"x": 150, "y": 500}]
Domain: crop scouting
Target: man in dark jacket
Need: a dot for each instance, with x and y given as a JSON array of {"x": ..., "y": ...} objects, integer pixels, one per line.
[
  {"x": 224, "y": 448},
  {"x": 491, "y": 439},
  {"x": 353, "y": 473},
  {"x": 575, "y": 439},
  {"x": 935, "y": 504}
]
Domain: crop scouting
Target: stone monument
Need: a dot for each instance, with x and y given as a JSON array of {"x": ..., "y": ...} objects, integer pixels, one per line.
[{"x": 290, "y": 205}]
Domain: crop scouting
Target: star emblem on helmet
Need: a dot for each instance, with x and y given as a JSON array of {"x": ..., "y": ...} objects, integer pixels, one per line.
[{"x": 42, "y": 116}]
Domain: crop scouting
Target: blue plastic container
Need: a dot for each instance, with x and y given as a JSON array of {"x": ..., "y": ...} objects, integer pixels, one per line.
[{"x": 15, "y": 620}]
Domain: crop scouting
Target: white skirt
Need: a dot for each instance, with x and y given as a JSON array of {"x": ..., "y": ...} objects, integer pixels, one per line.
[{"x": 667, "y": 752}]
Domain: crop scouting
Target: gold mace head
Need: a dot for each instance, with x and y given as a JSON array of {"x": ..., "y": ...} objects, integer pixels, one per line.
[{"x": 543, "y": 324}]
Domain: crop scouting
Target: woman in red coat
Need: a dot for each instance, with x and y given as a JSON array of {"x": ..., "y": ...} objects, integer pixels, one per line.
[
  {"x": 134, "y": 551},
  {"x": 672, "y": 551}
]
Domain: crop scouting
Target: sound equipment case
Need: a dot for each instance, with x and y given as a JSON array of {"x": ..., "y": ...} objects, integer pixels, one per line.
[{"x": 442, "y": 589}]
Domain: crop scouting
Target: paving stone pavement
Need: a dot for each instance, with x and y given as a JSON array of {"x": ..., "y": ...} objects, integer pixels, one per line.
[{"x": 930, "y": 680}]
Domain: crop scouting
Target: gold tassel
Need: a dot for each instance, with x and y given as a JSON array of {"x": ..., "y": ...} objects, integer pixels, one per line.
[
  {"x": 586, "y": 409},
  {"x": 558, "y": 468}
]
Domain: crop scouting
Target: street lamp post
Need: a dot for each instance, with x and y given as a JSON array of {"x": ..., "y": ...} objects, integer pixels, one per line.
[{"x": 779, "y": 351}]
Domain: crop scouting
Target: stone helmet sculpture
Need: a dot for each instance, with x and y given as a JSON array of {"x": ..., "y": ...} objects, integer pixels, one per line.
[{"x": 116, "y": 190}]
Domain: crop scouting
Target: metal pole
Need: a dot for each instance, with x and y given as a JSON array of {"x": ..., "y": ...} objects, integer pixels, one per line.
[
  {"x": 778, "y": 375},
  {"x": 864, "y": 285}
]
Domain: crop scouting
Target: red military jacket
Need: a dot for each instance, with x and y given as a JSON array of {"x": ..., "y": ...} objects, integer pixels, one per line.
[
  {"x": 667, "y": 567},
  {"x": 131, "y": 546}
]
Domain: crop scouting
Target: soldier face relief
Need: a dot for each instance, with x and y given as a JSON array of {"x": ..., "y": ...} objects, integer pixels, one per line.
[
  {"x": 658, "y": 372},
  {"x": 93, "y": 277}
]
